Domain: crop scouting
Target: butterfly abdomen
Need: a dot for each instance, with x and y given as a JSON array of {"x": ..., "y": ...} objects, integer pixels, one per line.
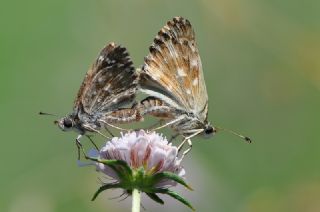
[
  {"x": 156, "y": 107},
  {"x": 123, "y": 116}
]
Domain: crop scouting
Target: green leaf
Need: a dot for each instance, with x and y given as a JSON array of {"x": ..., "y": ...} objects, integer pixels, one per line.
[
  {"x": 175, "y": 196},
  {"x": 155, "y": 197},
  {"x": 171, "y": 176},
  {"x": 105, "y": 187}
]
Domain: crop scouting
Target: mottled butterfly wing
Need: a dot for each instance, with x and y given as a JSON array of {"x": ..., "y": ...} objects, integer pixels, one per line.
[
  {"x": 172, "y": 71},
  {"x": 110, "y": 83}
]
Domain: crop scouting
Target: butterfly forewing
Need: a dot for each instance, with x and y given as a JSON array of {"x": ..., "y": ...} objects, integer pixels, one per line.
[
  {"x": 173, "y": 71},
  {"x": 110, "y": 83}
]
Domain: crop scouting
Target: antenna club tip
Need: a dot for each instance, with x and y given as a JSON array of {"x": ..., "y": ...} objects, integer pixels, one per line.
[
  {"x": 48, "y": 114},
  {"x": 248, "y": 139}
]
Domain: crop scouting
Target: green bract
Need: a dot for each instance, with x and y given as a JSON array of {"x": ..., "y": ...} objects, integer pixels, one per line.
[
  {"x": 144, "y": 162},
  {"x": 129, "y": 179}
]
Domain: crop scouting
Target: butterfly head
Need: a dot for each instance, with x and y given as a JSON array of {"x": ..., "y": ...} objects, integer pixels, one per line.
[
  {"x": 208, "y": 130},
  {"x": 65, "y": 123}
]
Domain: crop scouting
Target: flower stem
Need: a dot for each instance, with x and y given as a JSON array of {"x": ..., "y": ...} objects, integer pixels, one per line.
[{"x": 136, "y": 198}]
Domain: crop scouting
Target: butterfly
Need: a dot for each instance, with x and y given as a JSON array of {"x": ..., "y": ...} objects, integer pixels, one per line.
[
  {"x": 109, "y": 85},
  {"x": 172, "y": 76}
]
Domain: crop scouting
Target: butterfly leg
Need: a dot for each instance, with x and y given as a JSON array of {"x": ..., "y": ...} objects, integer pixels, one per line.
[
  {"x": 182, "y": 144},
  {"x": 188, "y": 140},
  {"x": 173, "y": 137},
  {"x": 170, "y": 123},
  {"x": 94, "y": 130},
  {"x": 155, "y": 124},
  {"x": 116, "y": 127},
  {"x": 79, "y": 145},
  {"x": 187, "y": 150},
  {"x": 89, "y": 137},
  {"x": 107, "y": 129}
]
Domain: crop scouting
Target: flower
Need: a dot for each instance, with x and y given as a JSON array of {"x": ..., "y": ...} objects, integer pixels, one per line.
[
  {"x": 142, "y": 160},
  {"x": 140, "y": 149}
]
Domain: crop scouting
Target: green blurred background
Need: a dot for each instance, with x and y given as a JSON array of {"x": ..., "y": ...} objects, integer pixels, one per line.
[{"x": 261, "y": 62}]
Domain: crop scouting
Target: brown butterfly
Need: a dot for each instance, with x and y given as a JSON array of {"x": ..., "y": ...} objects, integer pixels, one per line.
[
  {"x": 172, "y": 75},
  {"x": 109, "y": 85}
]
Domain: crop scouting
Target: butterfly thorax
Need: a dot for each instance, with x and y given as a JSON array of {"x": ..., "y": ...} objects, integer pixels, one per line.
[
  {"x": 187, "y": 123},
  {"x": 190, "y": 124}
]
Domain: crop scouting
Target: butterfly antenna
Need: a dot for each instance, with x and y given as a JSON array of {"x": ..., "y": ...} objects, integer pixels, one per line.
[
  {"x": 48, "y": 114},
  {"x": 247, "y": 139}
]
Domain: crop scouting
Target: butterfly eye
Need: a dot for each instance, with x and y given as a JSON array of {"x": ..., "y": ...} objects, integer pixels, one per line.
[
  {"x": 209, "y": 130},
  {"x": 67, "y": 123}
]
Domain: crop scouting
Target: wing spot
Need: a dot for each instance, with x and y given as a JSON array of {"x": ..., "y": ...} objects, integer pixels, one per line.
[
  {"x": 100, "y": 58},
  {"x": 115, "y": 100},
  {"x": 181, "y": 72},
  {"x": 194, "y": 63},
  {"x": 188, "y": 91},
  {"x": 101, "y": 80},
  {"x": 192, "y": 46},
  {"x": 195, "y": 82},
  {"x": 107, "y": 88}
]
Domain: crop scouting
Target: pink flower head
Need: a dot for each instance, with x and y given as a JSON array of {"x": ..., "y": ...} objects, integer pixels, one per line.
[
  {"x": 150, "y": 151},
  {"x": 142, "y": 161}
]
